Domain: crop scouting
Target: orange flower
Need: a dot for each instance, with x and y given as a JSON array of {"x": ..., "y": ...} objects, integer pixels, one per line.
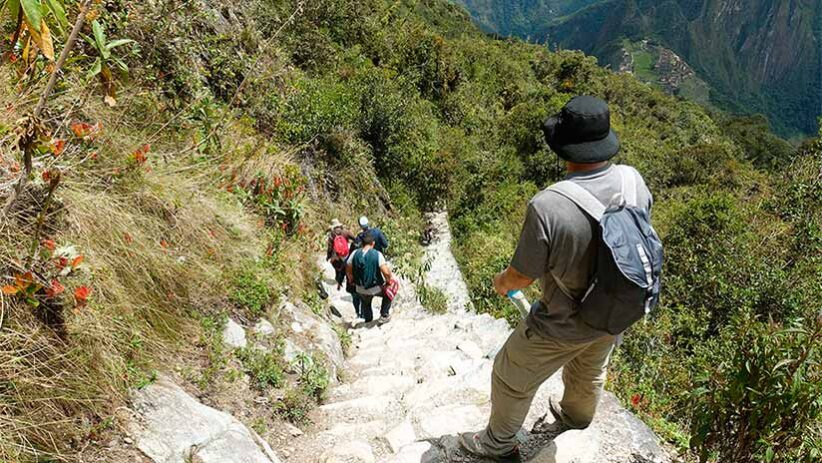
[
  {"x": 55, "y": 289},
  {"x": 81, "y": 295},
  {"x": 49, "y": 244},
  {"x": 140, "y": 156},
  {"x": 10, "y": 290},
  {"x": 81, "y": 129},
  {"x": 57, "y": 147},
  {"x": 85, "y": 130}
]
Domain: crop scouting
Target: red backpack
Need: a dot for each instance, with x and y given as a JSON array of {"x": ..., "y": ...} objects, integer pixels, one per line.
[{"x": 341, "y": 246}]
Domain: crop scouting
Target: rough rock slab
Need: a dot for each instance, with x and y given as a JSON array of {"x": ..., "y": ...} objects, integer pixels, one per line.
[
  {"x": 173, "y": 427},
  {"x": 234, "y": 335},
  {"x": 264, "y": 328},
  {"x": 401, "y": 435},
  {"x": 350, "y": 452},
  {"x": 451, "y": 419},
  {"x": 419, "y": 452}
]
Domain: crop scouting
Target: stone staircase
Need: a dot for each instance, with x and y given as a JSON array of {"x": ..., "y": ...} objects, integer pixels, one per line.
[{"x": 413, "y": 384}]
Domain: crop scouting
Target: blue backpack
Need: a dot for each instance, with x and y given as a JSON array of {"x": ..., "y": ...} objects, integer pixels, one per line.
[{"x": 626, "y": 282}]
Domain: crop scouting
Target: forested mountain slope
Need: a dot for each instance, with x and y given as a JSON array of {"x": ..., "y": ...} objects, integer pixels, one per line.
[
  {"x": 758, "y": 56},
  {"x": 199, "y": 185}
]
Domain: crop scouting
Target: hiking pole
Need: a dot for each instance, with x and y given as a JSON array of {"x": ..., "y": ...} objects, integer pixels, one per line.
[{"x": 521, "y": 302}]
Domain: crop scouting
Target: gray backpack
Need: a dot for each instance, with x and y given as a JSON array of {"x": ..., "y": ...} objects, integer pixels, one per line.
[{"x": 626, "y": 281}]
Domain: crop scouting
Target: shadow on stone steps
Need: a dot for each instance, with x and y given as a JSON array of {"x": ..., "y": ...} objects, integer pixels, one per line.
[{"x": 537, "y": 447}]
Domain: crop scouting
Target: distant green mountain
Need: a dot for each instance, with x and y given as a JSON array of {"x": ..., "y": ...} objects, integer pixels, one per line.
[{"x": 758, "y": 56}]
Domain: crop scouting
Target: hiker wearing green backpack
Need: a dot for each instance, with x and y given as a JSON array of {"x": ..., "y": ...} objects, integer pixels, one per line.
[
  {"x": 369, "y": 271},
  {"x": 589, "y": 242}
]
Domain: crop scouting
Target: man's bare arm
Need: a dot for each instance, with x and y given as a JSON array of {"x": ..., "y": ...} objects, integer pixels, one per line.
[
  {"x": 510, "y": 280},
  {"x": 386, "y": 272},
  {"x": 349, "y": 272}
]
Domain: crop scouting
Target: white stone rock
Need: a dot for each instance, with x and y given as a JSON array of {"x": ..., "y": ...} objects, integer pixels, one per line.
[
  {"x": 414, "y": 453},
  {"x": 171, "y": 426},
  {"x": 570, "y": 447},
  {"x": 401, "y": 436},
  {"x": 471, "y": 349},
  {"x": 234, "y": 335},
  {"x": 291, "y": 352},
  {"x": 350, "y": 452},
  {"x": 450, "y": 419},
  {"x": 293, "y": 430},
  {"x": 264, "y": 328}
]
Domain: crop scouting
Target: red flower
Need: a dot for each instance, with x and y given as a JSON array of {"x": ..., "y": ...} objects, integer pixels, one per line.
[
  {"x": 141, "y": 155},
  {"x": 57, "y": 147},
  {"x": 55, "y": 289},
  {"x": 81, "y": 295},
  {"x": 46, "y": 176},
  {"x": 129, "y": 239},
  {"x": 49, "y": 244},
  {"x": 85, "y": 130},
  {"x": 635, "y": 400},
  {"x": 81, "y": 129}
]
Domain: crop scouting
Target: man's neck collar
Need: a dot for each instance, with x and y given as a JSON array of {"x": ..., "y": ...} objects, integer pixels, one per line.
[{"x": 589, "y": 173}]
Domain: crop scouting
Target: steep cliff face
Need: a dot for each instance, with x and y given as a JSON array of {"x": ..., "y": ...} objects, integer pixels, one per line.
[{"x": 758, "y": 56}]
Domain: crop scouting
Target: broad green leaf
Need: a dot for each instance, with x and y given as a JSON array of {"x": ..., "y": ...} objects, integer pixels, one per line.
[
  {"x": 34, "y": 15},
  {"x": 95, "y": 68},
  {"x": 14, "y": 9},
  {"x": 118, "y": 42},
  {"x": 100, "y": 38},
  {"x": 120, "y": 64},
  {"x": 56, "y": 7}
]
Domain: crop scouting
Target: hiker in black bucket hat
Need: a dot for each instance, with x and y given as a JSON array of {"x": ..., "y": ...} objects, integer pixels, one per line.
[
  {"x": 581, "y": 132},
  {"x": 558, "y": 246}
]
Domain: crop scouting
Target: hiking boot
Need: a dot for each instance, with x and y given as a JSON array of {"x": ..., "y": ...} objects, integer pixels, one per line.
[
  {"x": 384, "y": 319},
  {"x": 562, "y": 423},
  {"x": 470, "y": 442}
]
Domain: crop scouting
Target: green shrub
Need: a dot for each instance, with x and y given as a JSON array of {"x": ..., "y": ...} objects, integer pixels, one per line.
[
  {"x": 295, "y": 406},
  {"x": 770, "y": 384},
  {"x": 313, "y": 376},
  {"x": 433, "y": 299},
  {"x": 264, "y": 366},
  {"x": 250, "y": 289},
  {"x": 318, "y": 107}
]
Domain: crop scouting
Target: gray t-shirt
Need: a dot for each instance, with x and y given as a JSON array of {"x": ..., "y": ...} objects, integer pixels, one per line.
[{"x": 557, "y": 242}]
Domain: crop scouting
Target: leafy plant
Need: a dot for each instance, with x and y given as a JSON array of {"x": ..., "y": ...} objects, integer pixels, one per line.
[
  {"x": 295, "y": 406},
  {"x": 772, "y": 383},
  {"x": 106, "y": 60},
  {"x": 250, "y": 290},
  {"x": 25, "y": 287},
  {"x": 313, "y": 376},
  {"x": 264, "y": 366},
  {"x": 31, "y": 16}
]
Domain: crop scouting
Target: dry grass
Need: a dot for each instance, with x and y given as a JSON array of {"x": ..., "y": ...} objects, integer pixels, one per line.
[{"x": 159, "y": 247}]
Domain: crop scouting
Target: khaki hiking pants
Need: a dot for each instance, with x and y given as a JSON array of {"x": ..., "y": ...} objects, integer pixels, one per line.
[{"x": 524, "y": 363}]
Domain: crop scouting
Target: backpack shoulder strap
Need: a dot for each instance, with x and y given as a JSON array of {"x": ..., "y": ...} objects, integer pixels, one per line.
[
  {"x": 629, "y": 184},
  {"x": 581, "y": 197}
]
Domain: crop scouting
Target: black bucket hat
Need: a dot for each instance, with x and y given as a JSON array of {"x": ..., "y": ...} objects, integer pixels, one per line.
[{"x": 581, "y": 132}]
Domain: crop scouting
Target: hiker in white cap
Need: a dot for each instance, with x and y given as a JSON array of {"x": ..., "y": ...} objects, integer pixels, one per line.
[{"x": 380, "y": 241}]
